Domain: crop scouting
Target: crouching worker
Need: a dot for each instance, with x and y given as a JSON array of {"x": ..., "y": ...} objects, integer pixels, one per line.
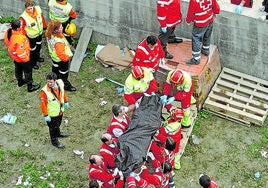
[
  {"x": 54, "y": 101},
  {"x": 105, "y": 177},
  {"x": 140, "y": 81},
  {"x": 181, "y": 81}
]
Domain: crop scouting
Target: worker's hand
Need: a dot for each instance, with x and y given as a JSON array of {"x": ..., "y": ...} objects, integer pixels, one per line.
[
  {"x": 163, "y": 99},
  {"x": 66, "y": 105},
  {"x": 152, "y": 70},
  {"x": 170, "y": 100},
  {"x": 153, "y": 93},
  {"x": 121, "y": 175},
  {"x": 116, "y": 171},
  {"x": 151, "y": 155},
  {"x": 47, "y": 118},
  {"x": 132, "y": 174},
  {"x": 164, "y": 29},
  {"x": 238, "y": 9},
  {"x": 262, "y": 8},
  {"x": 137, "y": 105}
]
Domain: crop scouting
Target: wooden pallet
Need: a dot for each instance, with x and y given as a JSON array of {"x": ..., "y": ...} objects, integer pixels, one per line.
[
  {"x": 80, "y": 49},
  {"x": 239, "y": 97}
]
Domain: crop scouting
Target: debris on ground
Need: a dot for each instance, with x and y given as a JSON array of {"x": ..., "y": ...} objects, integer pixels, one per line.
[
  {"x": 8, "y": 119},
  {"x": 80, "y": 153}
]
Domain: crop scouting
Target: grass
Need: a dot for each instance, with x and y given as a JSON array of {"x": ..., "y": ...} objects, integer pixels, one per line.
[{"x": 228, "y": 152}]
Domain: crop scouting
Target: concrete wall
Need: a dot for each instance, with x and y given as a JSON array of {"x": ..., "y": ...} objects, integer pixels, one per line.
[{"x": 241, "y": 39}]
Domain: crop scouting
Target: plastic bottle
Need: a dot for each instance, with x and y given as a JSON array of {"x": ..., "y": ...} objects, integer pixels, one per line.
[
  {"x": 123, "y": 52},
  {"x": 195, "y": 139}
]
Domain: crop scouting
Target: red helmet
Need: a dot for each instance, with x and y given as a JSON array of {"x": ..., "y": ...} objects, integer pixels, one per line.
[
  {"x": 177, "y": 114},
  {"x": 176, "y": 77},
  {"x": 137, "y": 72}
]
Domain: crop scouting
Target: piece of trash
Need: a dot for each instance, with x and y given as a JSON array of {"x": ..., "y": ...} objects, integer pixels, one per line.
[
  {"x": 120, "y": 89},
  {"x": 99, "y": 80},
  {"x": 19, "y": 182},
  {"x": 264, "y": 153},
  {"x": 102, "y": 103},
  {"x": 51, "y": 185},
  {"x": 195, "y": 139},
  {"x": 257, "y": 175},
  {"x": 123, "y": 52},
  {"x": 66, "y": 122},
  {"x": 9, "y": 119},
  {"x": 80, "y": 153},
  {"x": 42, "y": 178},
  {"x": 26, "y": 145}
]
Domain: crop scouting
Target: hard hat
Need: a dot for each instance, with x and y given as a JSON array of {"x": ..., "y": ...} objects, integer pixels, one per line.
[
  {"x": 177, "y": 114},
  {"x": 137, "y": 72},
  {"x": 70, "y": 29},
  {"x": 176, "y": 77}
]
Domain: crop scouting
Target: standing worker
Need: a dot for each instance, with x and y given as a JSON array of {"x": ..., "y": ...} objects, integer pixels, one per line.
[
  {"x": 33, "y": 23},
  {"x": 149, "y": 54},
  {"x": 181, "y": 81},
  {"x": 169, "y": 16},
  {"x": 62, "y": 11},
  {"x": 60, "y": 52},
  {"x": 19, "y": 50},
  {"x": 139, "y": 82},
  {"x": 202, "y": 14},
  {"x": 54, "y": 101}
]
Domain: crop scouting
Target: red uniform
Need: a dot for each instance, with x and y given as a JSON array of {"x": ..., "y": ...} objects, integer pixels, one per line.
[
  {"x": 202, "y": 12},
  {"x": 118, "y": 126},
  {"x": 169, "y": 13},
  {"x": 161, "y": 155},
  {"x": 146, "y": 57},
  {"x": 101, "y": 173},
  {"x": 157, "y": 178},
  {"x": 213, "y": 184},
  {"x": 108, "y": 154},
  {"x": 248, "y": 3}
]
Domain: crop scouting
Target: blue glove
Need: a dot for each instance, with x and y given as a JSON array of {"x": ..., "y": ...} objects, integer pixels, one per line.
[
  {"x": 238, "y": 9},
  {"x": 164, "y": 29},
  {"x": 66, "y": 105},
  {"x": 47, "y": 118},
  {"x": 163, "y": 99},
  {"x": 120, "y": 89},
  {"x": 170, "y": 100},
  {"x": 131, "y": 174},
  {"x": 137, "y": 105}
]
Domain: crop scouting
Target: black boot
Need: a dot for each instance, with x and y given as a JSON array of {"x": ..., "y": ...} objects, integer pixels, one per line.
[
  {"x": 21, "y": 83},
  {"x": 31, "y": 87},
  {"x": 175, "y": 40},
  {"x": 168, "y": 55},
  {"x": 58, "y": 144},
  {"x": 68, "y": 86}
]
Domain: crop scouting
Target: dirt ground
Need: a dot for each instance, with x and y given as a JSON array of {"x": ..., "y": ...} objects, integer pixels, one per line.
[{"x": 223, "y": 152}]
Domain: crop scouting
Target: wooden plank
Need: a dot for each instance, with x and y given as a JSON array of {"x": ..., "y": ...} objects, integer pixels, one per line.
[
  {"x": 232, "y": 112},
  {"x": 239, "y": 97},
  {"x": 242, "y": 82},
  {"x": 245, "y": 90},
  {"x": 246, "y": 108},
  {"x": 81, "y": 49},
  {"x": 230, "y": 71}
]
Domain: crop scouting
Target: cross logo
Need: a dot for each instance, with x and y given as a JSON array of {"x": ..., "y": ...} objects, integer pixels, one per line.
[{"x": 205, "y": 4}]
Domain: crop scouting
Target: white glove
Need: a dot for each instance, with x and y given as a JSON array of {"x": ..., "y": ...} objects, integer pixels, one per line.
[
  {"x": 262, "y": 8},
  {"x": 116, "y": 171},
  {"x": 151, "y": 155},
  {"x": 152, "y": 70},
  {"x": 263, "y": 18},
  {"x": 121, "y": 175}
]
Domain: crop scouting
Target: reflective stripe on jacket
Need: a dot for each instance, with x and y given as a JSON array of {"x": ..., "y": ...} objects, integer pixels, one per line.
[
  {"x": 54, "y": 105},
  {"x": 133, "y": 85},
  {"x": 34, "y": 26},
  {"x": 18, "y": 46},
  {"x": 51, "y": 47},
  {"x": 58, "y": 11}
]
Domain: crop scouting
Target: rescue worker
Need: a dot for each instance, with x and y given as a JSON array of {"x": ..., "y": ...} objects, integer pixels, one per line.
[
  {"x": 62, "y": 11},
  {"x": 181, "y": 82},
  {"x": 60, "y": 52},
  {"x": 19, "y": 50},
  {"x": 120, "y": 120},
  {"x": 264, "y": 7},
  {"x": 169, "y": 16},
  {"x": 202, "y": 14},
  {"x": 99, "y": 184},
  {"x": 34, "y": 24},
  {"x": 99, "y": 171},
  {"x": 172, "y": 128},
  {"x": 109, "y": 150},
  {"x": 53, "y": 102},
  {"x": 149, "y": 54},
  {"x": 206, "y": 182},
  {"x": 140, "y": 81}
]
